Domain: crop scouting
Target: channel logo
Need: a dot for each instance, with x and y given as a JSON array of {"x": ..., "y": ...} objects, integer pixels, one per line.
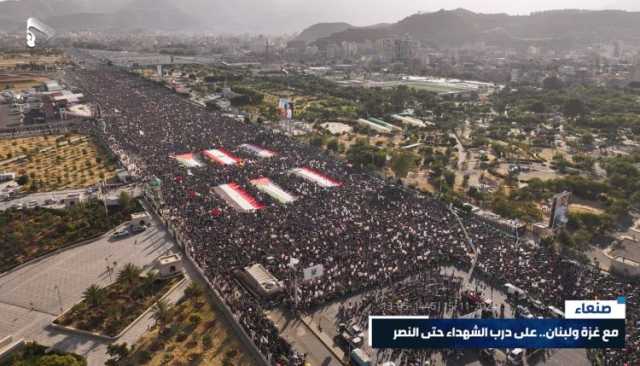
[
  {"x": 595, "y": 309},
  {"x": 38, "y": 33}
]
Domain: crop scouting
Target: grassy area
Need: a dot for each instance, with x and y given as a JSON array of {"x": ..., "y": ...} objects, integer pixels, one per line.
[
  {"x": 428, "y": 86},
  {"x": 31, "y": 233},
  {"x": 56, "y": 162},
  {"x": 111, "y": 309},
  {"x": 196, "y": 335},
  {"x": 33, "y": 354}
]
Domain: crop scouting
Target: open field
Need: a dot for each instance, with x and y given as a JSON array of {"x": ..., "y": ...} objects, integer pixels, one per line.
[
  {"x": 20, "y": 82},
  {"x": 11, "y": 61},
  {"x": 55, "y": 162},
  {"x": 196, "y": 336}
]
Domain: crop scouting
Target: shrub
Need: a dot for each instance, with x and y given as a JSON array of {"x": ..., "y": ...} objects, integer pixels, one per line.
[
  {"x": 182, "y": 336},
  {"x": 193, "y": 357},
  {"x": 207, "y": 341},
  {"x": 144, "y": 356},
  {"x": 231, "y": 353},
  {"x": 195, "y": 319}
]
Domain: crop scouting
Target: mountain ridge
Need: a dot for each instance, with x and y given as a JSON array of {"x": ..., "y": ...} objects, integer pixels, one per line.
[{"x": 460, "y": 26}]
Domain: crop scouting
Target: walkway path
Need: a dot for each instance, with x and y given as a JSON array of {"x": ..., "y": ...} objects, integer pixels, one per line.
[{"x": 32, "y": 296}]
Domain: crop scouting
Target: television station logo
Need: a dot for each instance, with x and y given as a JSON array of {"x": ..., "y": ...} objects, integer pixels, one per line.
[{"x": 38, "y": 33}]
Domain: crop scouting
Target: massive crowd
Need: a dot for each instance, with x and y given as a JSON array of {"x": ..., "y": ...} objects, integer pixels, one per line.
[{"x": 367, "y": 233}]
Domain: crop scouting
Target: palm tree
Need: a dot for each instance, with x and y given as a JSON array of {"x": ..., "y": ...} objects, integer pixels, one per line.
[
  {"x": 161, "y": 313},
  {"x": 149, "y": 280},
  {"x": 194, "y": 290},
  {"x": 94, "y": 295},
  {"x": 130, "y": 274}
]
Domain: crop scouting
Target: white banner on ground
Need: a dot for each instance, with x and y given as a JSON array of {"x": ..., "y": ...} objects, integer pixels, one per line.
[{"x": 313, "y": 272}]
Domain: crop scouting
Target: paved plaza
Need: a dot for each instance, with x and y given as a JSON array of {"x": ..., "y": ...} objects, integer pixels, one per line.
[{"x": 32, "y": 296}]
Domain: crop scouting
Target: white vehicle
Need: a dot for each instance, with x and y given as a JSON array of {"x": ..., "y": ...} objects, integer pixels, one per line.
[
  {"x": 120, "y": 234},
  {"x": 515, "y": 291},
  {"x": 514, "y": 356},
  {"x": 555, "y": 312}
]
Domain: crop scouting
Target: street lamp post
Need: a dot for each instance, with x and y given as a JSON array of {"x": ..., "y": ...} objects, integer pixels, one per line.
[{"x": 59, "y": 298}]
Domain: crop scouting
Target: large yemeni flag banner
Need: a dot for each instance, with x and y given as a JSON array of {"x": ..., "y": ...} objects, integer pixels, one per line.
[
  {"x": 267, "y": 186},
  {"x": 316, "y": 177},
  {"x": 220, "y": 156},
  {"x": 258, "y": 151},
  {"x": 188, "y": 160},
  {"x": 237, "y": 197}
]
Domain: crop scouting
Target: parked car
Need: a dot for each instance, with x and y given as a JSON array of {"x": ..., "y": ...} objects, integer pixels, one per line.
[
  {"x": 120, "y": 234},
  {"x": 136, "y": 229}
]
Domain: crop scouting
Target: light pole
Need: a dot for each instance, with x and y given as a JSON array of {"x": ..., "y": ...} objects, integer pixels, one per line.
[{"x": 59, "y": 298}]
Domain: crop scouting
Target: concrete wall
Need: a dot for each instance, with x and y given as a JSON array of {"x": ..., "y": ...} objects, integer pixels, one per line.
[
  {"x": 625, "y": 268},
  {"x": 8, "y": 346},
  {"x": 216, "y": 297}
]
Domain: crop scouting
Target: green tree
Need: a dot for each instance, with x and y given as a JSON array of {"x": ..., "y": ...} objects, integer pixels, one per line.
[
  {"x": 149, "y": 281},
  {"x": 402, "y": 163},
  {"x": 23, "y": 180},
  {"x": 193, "y": 290},
  {"x": 538, "y": 107},
  {"x": 124, "y": 199},
  {"x": 130, "y": 274},
  {"x": 60, "y": 360},
  {"x": 118, "y": 352},
  {"x": 162, "y": 314},
  {"x": 552, "y": 83},
  {"x": 317, "y": 141},
  {"x": 94, "y": 295},
  {"x": 333, "y": 145},
  {"x": 574, "y": 108},
  {"x": 587, "y": 139}
]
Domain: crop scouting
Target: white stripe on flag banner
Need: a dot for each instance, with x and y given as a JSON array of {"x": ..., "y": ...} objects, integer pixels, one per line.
[
  {"x": 220, "y": 157},
  {"x": 188, "y": 160},
  {"x": 313, "y": 176},
  {"x": 267, "y": 186},
  {"x": 258, "y": 151},
  {"x": 240, "y": 198}
]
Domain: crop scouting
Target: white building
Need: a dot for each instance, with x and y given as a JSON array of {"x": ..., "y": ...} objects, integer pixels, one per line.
[
  {"x": 373, "y": 126},
  {"x": 169, "y": 265}
]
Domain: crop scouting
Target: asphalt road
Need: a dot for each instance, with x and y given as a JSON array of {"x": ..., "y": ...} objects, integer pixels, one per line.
[
  {"x": 40, "y": 199},
  {"x": 303, "y": 340}
]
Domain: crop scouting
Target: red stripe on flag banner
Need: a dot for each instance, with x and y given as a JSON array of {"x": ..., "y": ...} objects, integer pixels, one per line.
[
  {"x": 311, "y": 170},
  {"x": 261, "y": 181},
  {"x": 246, "y": 196},
  {"x": 212, "y": 157},
  {"x": 229, "y": 155}
]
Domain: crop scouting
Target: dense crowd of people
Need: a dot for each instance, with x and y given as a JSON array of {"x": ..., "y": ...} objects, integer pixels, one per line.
[{"x": 367, "y": 233}]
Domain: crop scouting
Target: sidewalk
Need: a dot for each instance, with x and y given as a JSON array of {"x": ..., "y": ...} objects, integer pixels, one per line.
[{"x": 324, "y": 338}]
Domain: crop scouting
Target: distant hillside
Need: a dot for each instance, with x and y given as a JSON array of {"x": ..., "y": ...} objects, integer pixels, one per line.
[
  {"x": 322, "y": 30},
  {"x": 456, "y": 27}
]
